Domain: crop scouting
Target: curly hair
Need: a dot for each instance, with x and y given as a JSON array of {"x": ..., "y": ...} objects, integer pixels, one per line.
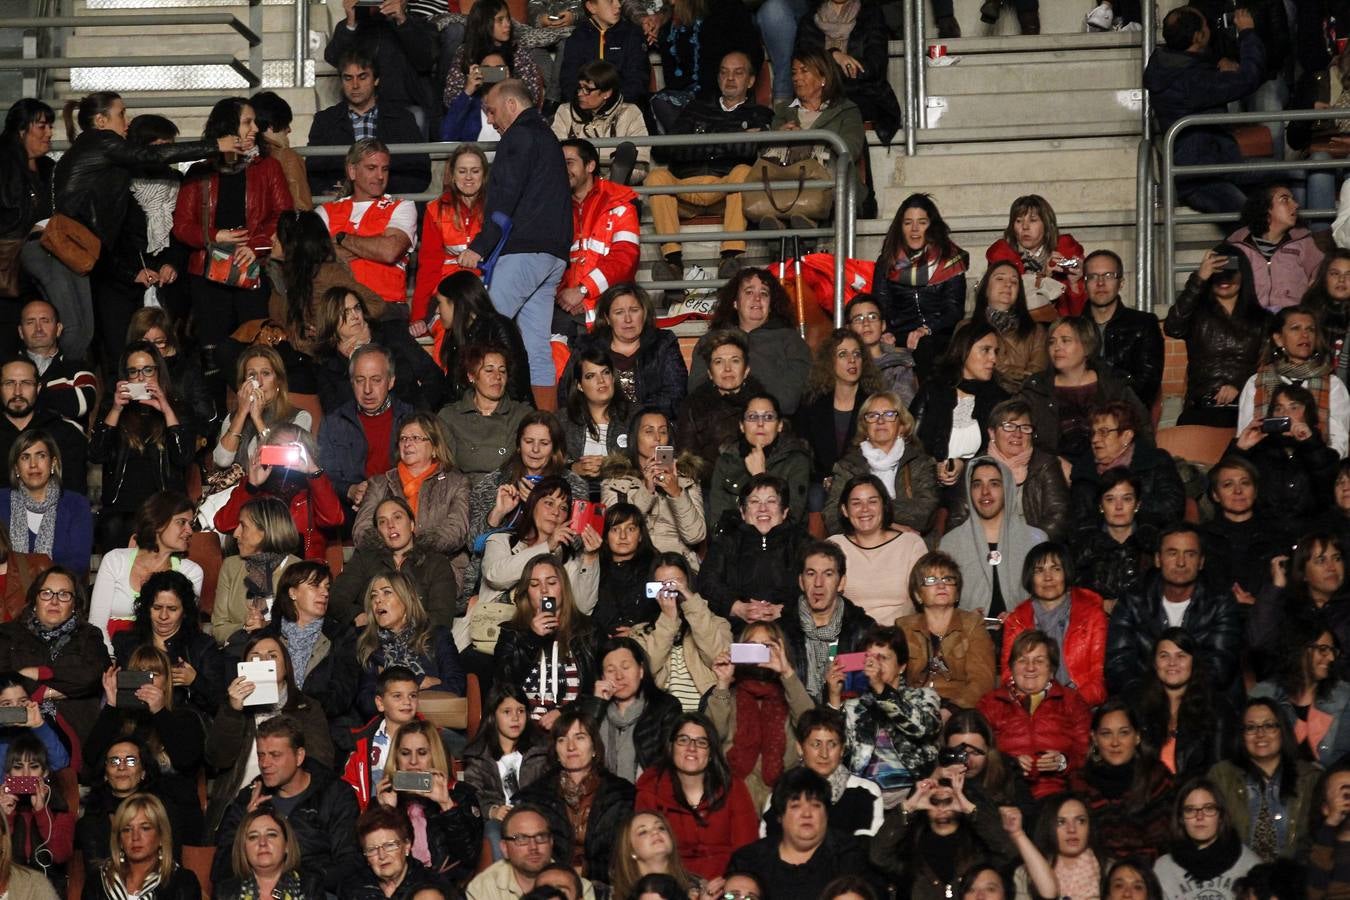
[{"x": 821, "y": 378}]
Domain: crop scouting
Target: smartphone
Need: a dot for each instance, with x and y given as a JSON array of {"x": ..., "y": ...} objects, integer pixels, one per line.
[
  {"x": 13, "y": 715},
  {"x": 492, "y": 74},
  {"x": 1276, "y": 425},
  {"x": 417, "y": 782},
  {"x": 851, "y": 662},
  {"x": 138, "y": 390},
  {"x": 749, "y": 654},
  {"x": 289, "y": 456},
  {"x": 548, "y": 605},
  {"x": 665, "y": 457},
  {"x": 654, "y": 589},
  {"x": 584, "y": 513},
  {"x": 22, "y": 785}
]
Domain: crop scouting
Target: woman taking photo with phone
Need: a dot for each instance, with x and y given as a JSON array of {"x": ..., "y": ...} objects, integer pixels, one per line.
[
  {"x": 548, "y": 647},
  {"x": 447, "y": 830},
  {"x": 41, "y": 827},
  {"x": 142, "y": 442},
  {"x": 163, "y": 527},
  {"x": 685, "y": 639},
  {"x": 665, "y": 489},
  {"x": 544, "y": 526}
]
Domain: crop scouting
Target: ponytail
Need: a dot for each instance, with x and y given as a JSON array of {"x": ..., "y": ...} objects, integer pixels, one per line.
[{"x": 85, "y": 110}]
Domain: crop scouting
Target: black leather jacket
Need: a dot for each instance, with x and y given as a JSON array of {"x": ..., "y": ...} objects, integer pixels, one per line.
[
  {"x": 1296, "y": 479},
  {"x": 1110, "y": 568},
  {"x": 1220, "y": 349},
  {"x": 742, "y": 563},
  {"x": 25, "y": 195},
  {"x": 172, "y": 459},
  {"x": 518, "y": 652},
  {"x": 1133, "y": 344},
  {"x": 93, "y": 178},
  {"x": 1212, "y": 618},
  {"x": 1162, "y": 496}
]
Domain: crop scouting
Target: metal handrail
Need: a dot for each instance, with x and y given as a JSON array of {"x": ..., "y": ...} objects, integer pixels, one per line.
[
  {"x": 301, "y": 49},
  {"x": 843, "y": 227},
  {"x": 911, "y": 116},
  {"x": 114, "y": 62},
  {"x": 244, "y": 31},
  {"x": 1171, "y": 171}
]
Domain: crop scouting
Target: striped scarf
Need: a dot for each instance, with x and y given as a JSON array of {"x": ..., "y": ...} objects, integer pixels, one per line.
[{"x": 1313, "y": 376}]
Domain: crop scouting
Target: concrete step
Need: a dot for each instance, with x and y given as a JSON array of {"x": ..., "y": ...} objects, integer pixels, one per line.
[
  {"x": 1056, "y": 18},
  {"x": 975, "y": 199},
  {"x": 987, "y": 110},
  {"x": 1087, "y": 159},
  {"x": 1020, "y": 72}
]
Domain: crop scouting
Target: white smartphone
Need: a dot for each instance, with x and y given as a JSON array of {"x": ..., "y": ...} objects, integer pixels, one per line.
[
  {"x": 749, "y": 654},
  {"x": 263, "y": 674},
  {"x": 138, "y": 390}
]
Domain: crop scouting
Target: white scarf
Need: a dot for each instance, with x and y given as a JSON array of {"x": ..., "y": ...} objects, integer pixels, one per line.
[{"x": 884, "y": 465}]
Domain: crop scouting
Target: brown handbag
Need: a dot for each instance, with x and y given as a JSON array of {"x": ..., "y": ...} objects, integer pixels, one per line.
[
  {"x": 10, "y": 248},
  {"x": 77, "y": 247},
  {"x": 777, "y": 195}
]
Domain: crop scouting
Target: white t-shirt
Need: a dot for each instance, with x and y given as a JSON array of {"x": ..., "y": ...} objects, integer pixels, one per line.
[
  {"x": 1176, "y": 611},
  {"x": 404, "y": 217},
  {"x": 508, "y": 769},
  {"x": 596, "y": 446}
]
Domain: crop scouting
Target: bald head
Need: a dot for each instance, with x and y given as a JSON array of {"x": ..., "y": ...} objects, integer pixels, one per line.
[{"x": 504, "y": 102}]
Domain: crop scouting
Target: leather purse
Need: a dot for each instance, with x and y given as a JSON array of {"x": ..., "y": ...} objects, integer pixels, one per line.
[{"x": 74, "y": 245}]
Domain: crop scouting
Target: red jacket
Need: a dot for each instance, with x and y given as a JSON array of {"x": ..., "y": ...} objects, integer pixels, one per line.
[
  {"x": 605, "y": 247},
  {"x": 266, "y": 197},
  {"x": 357, "y": 770},
  {"x": 708, "y": 839},
  {"x": 1070, "y": 303},
  {"x": 1084, "y": 650},
  {"x": 1061, "y": 723},
  {"x": 446, "y": 233},
  {"x": 312, "y": 510}
]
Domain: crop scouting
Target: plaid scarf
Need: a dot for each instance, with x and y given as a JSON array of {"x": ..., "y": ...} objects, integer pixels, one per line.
[{"x": 1314, "y": 376}]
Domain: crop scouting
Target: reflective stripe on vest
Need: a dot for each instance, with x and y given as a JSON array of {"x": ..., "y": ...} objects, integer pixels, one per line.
[{"x": 389, "y": 281}]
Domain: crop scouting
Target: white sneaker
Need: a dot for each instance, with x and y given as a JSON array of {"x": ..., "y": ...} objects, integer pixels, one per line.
[{"x": 1100, "y": 18}]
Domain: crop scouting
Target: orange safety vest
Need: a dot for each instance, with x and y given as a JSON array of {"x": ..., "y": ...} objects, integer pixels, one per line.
[{"x": 389, "y": 281}]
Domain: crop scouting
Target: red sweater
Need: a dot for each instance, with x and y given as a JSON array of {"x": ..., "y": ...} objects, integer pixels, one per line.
[
  {"x": 312, "y": 510},
  {"x": 1071, "y": 302},
  {"x": 707, "y": 838},
  {"x": 57, "y": 831}
]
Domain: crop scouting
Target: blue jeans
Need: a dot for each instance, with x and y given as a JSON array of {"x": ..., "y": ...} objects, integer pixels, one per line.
[
  {"x": 1271, "y": 96},
  {"x": 523, "y": 288},
  {"x": 778, "y": 24},
  {"x": 68, "y": 292}
]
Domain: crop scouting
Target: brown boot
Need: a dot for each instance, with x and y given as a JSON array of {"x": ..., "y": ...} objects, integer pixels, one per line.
[
  {"x": 545, "y": 397},
  {"x": 1030, "y": 20}
]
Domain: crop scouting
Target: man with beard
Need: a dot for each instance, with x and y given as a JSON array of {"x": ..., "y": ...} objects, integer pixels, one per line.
[
  {"x": 825, "y": 619},
  {"x": 68, "y": 386},
  {"x": 20, "y": 392},
  {"x": 1130, "y": 338}
]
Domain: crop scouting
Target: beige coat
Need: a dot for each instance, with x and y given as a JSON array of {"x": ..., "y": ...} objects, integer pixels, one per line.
[
  {"x": 1019, "y": 358},
  {"x": 231, "y": 607},
  {"x": 708, "y": 636},
  {"x": 676, "y": 524},
  {"x": 721, "y": 709},
  {"x": 624, "y": 120},
  {"x": 442, "y": 515},
  {"x": 967, "y": 650}
]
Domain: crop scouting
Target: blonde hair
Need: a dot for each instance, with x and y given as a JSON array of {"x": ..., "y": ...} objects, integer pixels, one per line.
[
  {"x": 623, "y": 870},
  {"x": 440, "y": 761},
  {"x": 905, "y": 422},
  {"x": 431, "y": 426},
  {"x": 279, "y": 409},
  {"x": 414, "y": 611},
  {"x": 153, "y": 810},
  {"x": 239, "y": 853}
]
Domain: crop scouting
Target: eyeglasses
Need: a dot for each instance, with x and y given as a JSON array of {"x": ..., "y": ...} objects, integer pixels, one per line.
[
  {"x": 387, "y": 848},
  {"x": 413, "y": 439},
  {"x": 848, "y": 354},
  {"x": 12, "y": 383},
  {"x": 1103, "y": 276},
  {"x": 1010, "y": 427},
  {"x": 1105, "y": 432},
  {"x": 684, "y": 740},
  {"x": 1325, "y": 648},
  {"x": 63, "y": 596},
  {"x": 862, "y": 318},
  {"x": 761, "y": 418},
  {"x": 739, "y": 895},
  {"x": 525, "y": 840},
  {"x": 1200, "y": 812},
  {"x": 588, "y": 90},
  {"x": 118, "y": 762},
  {"x": 888, "y": 415},
  {"x": 930, "y": 580},
  {"x": 1261, "y": 728},
  {"x": 142, "y": 372}
]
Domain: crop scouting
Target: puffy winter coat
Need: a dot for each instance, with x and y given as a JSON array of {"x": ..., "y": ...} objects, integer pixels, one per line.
[
  {"x": 1211, "y": 618},
  {"x": 742, "y": 563},
  {"x": 1283, "y": 279},
  {"x": 1060, "y": 723},
  {"x": 676, "y": 524},
  {"x": 937, "y": 304},
  {"x": 916, "y": 487},
  {"x": 1109, "y": 568},
  {"x": 266, "y": 197},
  {"x": 662, "y": 379},
  {"x": 706, "y": 836},
  {"x": 1084, "y": 648},
  {"x": 442, "y": 515},
  {"x": 604, "y": 242},
  {"x": 480, "y": 771},
  {"x": 612, "y": 803},
  {"x": 1072, "y": 301},
  {"x": 1220, "y": 349}
]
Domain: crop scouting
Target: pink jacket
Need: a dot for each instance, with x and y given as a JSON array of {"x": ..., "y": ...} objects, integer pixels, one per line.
[{"x": 1283, "y": 280}]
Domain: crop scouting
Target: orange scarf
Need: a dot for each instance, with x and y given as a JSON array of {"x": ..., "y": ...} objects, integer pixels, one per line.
[{"x": 412, "y": 484}]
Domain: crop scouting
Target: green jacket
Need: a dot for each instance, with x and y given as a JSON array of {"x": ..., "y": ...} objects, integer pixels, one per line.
[
  {"x": 1232, "y": 784},
  {"x": 843, "y": 118},
  {"x": 789, "y": 458}
]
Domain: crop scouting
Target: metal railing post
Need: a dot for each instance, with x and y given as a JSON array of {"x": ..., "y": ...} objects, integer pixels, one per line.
[
  {"x": 1143, "y": 299},
  {"x": 1169, "y": 214},
  {"x": 1147, "y": 41},
  {"x": 843, "y": 209},
  {"x": 301, "y": 41},
  {"x": 255, "y": 52},
  {"x": 920, "y": 73},
  {"x": 912, "y": 58}
]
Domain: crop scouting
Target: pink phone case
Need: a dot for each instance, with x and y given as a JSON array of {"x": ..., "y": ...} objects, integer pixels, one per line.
[{"x": 852, "y": 662}]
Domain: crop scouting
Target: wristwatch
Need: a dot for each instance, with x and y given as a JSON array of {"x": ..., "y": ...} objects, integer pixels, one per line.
[{"x": 584, "y": 291}]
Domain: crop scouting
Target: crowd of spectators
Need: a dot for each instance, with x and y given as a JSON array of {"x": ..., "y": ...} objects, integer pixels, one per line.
[{"x": 920, "y": 608}]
